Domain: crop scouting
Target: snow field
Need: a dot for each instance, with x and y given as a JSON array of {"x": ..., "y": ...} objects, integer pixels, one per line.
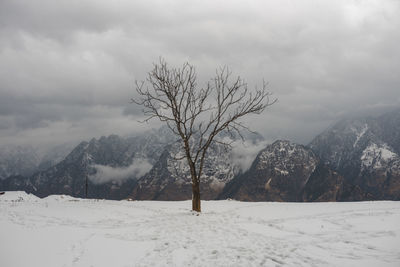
[{"x": 65, "y": 231}]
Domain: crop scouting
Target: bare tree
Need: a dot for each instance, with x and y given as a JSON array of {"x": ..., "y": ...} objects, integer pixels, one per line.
[{"x": 198, "y": 115}]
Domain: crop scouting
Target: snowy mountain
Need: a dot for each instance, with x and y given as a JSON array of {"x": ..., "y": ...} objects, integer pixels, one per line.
[
  {"x": 54, "y": 155},
  {"x": 25, "y": 160},
  {"x": 109, "y": 164},
  {"x": 284, "y": 171},
  {"x": 366, "y": 152},
  {"x": 170, "y": 178},
  {"x": 112, "y": 164},
  {"x": 18, "y": 160},
  {"x": 387, "y": 128},
  {"x": 356, "y": 159}
]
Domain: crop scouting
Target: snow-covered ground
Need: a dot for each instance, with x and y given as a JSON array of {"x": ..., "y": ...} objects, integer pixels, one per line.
[{"x": 65, "y": 231}]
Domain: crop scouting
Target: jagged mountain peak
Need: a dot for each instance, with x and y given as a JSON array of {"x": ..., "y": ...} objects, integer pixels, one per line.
[
  {"x": 366, "y": 152},
  {"x": 285, "y": 171},
  {"x": 355, "y": 159},
  {"x": 285, "y": 157},
  {"x": 348, "y": 130},
  {"x": 110, "y": 163},
  {"x": 170, "y": 178},
  {"x": 346, "y": 141},
  {"x": 285, "y": 147}
]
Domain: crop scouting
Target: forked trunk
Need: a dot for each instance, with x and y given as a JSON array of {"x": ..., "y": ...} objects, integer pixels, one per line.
[{"x": 196, "y": 197}]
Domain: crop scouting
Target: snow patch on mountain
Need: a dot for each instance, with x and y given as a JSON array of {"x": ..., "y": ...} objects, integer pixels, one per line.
[
  {"x": 218, "y": 166},
  {"x": 286, "y": 157},
  {"x": 377, "y": 156},
  {"x": 360, "y": 133},
  {"x": 282, "y": 172}
]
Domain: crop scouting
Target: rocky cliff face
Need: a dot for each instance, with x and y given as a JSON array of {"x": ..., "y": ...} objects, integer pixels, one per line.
[
  {"x": 324, "y": 184},
  {"x": 285, "y": 171},
  {"x": 366, "y": 153}
]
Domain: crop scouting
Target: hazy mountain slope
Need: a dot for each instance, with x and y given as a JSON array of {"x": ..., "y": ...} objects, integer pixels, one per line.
[
  {"x": 119, "y": 159},
  {"x": 18, "y": 160},
  {"x": 356, "y": 159},
  {"x": 284, "y": 171},
  {"x": 26, "y": 160},
  {"x": 365, "y": 152},
  {"x": 387, "y": 128}
]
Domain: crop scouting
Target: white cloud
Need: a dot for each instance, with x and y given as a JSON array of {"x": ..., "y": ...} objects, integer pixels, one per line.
[
  {"x": 106, "y": 174},
  {"x": 244, "y": 153}
]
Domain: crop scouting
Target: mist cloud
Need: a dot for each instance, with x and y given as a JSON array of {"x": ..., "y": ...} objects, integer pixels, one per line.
[
  {"x": 106, "y": 174},
  {"x": 244, "y": 153}
]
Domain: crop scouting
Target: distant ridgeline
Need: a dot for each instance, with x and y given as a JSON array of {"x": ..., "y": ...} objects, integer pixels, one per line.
[{"x": 356, "y": 159}]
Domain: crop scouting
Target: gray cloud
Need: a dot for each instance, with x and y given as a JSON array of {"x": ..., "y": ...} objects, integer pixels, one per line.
[{"x": 67, "y": 67}]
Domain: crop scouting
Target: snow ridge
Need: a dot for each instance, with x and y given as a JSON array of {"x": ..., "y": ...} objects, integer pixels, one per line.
[{"x": 360, "y": 134}]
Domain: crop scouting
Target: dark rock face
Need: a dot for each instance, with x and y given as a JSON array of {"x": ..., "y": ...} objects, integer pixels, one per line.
[
  {"x": 14, "y": 183},
  {"x": 366, "y": 153},
  {"x": 284, "y": 171},
  {"x": 324, "y": 184},
  {"x": 379, "y": 176}
]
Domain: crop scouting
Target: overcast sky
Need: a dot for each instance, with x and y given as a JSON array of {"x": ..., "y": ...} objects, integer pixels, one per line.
[{"x": 67, "y": 67}]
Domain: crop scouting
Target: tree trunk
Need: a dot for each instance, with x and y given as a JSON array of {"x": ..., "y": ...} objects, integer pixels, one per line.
[{"x": 196, "y": 197}]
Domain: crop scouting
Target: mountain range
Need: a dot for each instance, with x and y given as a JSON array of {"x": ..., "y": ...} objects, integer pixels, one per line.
[{"x": 355, "y": 159}]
